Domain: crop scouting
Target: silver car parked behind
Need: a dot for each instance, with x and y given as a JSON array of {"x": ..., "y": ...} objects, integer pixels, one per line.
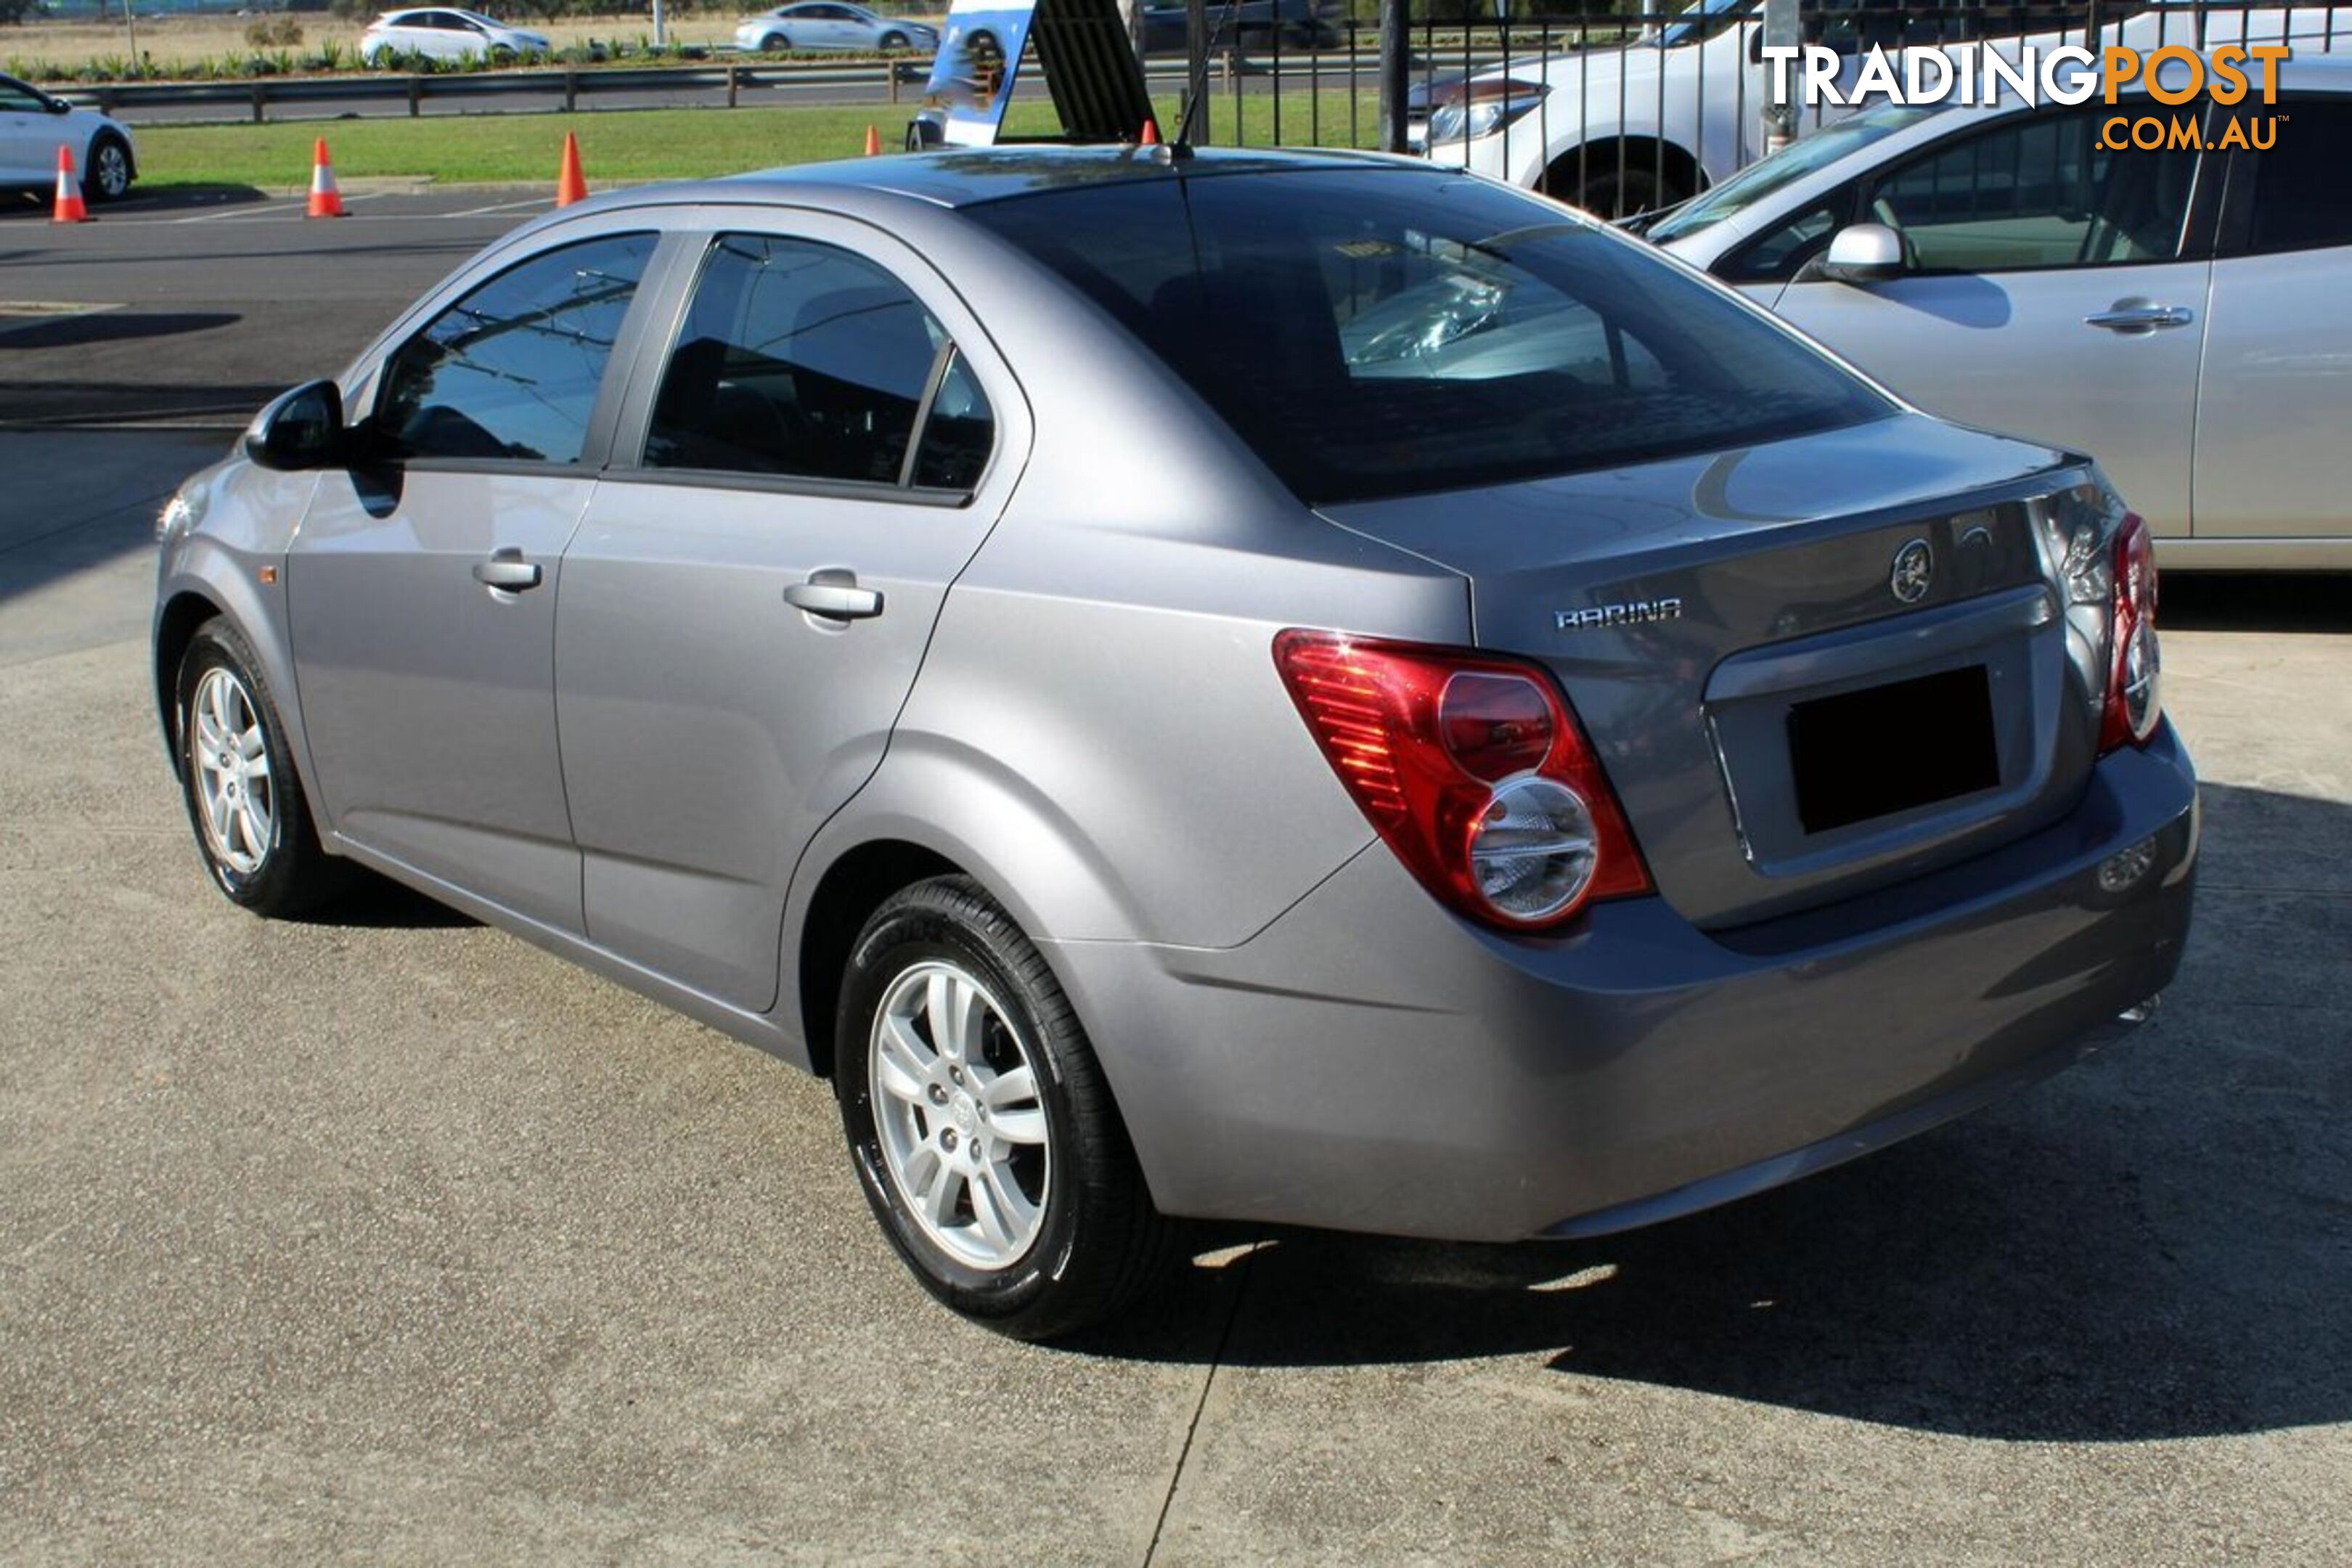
[
  {"x": 2179, "y": 311},
  {"x": 1298, "y": 689}
]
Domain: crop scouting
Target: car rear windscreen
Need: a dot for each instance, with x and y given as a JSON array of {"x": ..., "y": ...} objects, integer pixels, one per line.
[{"x": 1380, "y": 332}]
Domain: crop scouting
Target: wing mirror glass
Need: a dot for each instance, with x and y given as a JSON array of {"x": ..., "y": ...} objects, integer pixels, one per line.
[
  {"x": 1863, "y": 253},
  {"x": 302, "y": 429}
]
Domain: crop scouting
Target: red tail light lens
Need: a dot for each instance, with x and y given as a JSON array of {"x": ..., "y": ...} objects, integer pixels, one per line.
[
  {"x": 2135, "y": 669},
  {"x": 1472, "y": 770}
]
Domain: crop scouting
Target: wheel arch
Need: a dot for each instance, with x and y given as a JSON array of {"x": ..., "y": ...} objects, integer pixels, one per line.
[
  {"x": 845, "y": 898},
  {"x": 116, "y": 134},
  {"x": 193, "y": 596},
  {"x": 1600, "y": 154},
  {"x": 175, "y": 628}
]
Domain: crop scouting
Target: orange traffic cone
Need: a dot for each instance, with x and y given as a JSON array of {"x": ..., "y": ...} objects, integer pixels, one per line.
[
  {"x": 70, "y": 202},
  {"x": 1150, "y": 137},
  {"x": 571, "y": 186},
  {"x": 326, "y": 200},
  {"x": 873, "y": 142}
]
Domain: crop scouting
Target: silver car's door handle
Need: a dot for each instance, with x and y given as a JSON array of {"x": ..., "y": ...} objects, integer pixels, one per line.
[
  {"x": 507, "y": 569},
  {"x": 834, "y": 595},
  {"x": 2132, "y": 316}
]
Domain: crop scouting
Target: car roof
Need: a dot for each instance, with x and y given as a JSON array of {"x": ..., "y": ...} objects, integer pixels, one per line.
[{"x": 960, "y": 177}]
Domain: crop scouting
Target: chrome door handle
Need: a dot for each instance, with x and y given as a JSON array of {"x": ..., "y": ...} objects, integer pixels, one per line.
[
  {"x": 834, "y": 595},
  {"x": 507, "y": 569},
  {"x": 2136, "y": 316}
]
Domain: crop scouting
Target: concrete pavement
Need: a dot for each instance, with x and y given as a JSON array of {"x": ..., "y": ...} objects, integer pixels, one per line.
[{"x": 392, "y": 1239}]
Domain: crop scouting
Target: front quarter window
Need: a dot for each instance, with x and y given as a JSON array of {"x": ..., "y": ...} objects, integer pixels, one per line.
[{"x": 513, "y": 369}]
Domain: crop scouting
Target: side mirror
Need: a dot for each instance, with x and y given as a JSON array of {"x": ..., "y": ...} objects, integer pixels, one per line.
[
  {"x": 56, "y": 106},
  {"x": 1863, "y": 253},
  {"x": 302, "y": 429}
]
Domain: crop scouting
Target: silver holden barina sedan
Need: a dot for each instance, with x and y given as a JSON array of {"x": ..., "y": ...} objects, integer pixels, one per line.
[{"x": 1295, "y": 689}]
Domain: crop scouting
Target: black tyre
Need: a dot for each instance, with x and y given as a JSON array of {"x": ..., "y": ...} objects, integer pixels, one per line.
[
  {"x": 245, "y": 802},
  {"x": 110, "y": 171},
  {"x": 501, "y": 55},
  {"x": 775, "y": 44},
  {"x": 980, "y": 1124},
  {"x": 894, "y": 40}
]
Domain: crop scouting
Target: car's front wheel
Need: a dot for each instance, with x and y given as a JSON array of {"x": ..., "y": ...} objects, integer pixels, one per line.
[
  {"x": 980, "y": 1122},
  {"x": 253, "y": 826},
  {"x": 109, "y": 170},
  {"x": 894, "y": 40}
]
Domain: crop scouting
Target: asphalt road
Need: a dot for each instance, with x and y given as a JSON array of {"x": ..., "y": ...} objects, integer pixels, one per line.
[
  {"x": 195, "y": 304},
  {"x": 391, "y": 1238}
]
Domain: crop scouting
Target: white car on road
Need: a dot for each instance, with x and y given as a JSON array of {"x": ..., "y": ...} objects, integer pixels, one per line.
[
  {"x": 447, "y": 35},
  {"x": 1627, "y": 130},
  {"x": 827, "y": 25},
  {"x": 34, "y": 125},
  {"x": 2178, "y": 314}
]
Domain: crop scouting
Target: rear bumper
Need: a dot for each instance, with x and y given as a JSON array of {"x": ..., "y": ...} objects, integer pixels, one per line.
[{"x": 1370, "y": 1063}]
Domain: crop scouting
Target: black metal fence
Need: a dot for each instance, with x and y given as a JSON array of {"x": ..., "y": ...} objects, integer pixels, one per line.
[{"x": 1625, "y": 109}]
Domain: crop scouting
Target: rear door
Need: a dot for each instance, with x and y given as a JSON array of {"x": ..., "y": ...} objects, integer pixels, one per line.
[
  {"x": 2057, "y": 291},
  {"x": 808, "y": 460},
  {"x": 2277, "y": 393},
  {"x": 422, "y": 585}
]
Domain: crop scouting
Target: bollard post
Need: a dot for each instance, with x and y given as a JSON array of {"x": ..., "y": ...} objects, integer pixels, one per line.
[
  {"x": 730, "y": 84},
  {"x": 260, "y": 98},
  {"x": 572, "y": 88},
  {"x": 415, "y": 96}
]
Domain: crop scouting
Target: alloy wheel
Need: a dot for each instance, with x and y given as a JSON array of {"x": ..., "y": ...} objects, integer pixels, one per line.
[
  {"x": 236, "y": 798},
  {"x": 963, "y": 1132}
]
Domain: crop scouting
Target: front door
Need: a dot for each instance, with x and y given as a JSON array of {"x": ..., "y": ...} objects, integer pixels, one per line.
[
  {"x": 423, "y": 585},
  {"x": 24, "y": 127},
  {"x": 2047, "y": 297},
  {"x": 826, "y": 444}
]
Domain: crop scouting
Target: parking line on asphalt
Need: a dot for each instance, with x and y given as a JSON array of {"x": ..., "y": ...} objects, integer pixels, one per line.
[
  {"x": 524, "y": 204},
  {"x": 234, "y": 212}
]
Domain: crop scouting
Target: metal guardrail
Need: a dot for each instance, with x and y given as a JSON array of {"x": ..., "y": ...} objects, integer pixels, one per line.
[
  {"x": 572, "y": 84},
  {"x": 890, "y": 79}
]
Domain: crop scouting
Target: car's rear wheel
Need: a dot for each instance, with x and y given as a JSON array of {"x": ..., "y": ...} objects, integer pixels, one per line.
[
  {"x": 774, "y": 44},
  {"x": 108, "y": 176},
  {"x": 980, "y": 1122},
  {"x": 252, "y": 824}
]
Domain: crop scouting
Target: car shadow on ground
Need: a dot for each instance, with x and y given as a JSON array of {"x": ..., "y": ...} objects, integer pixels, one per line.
[
  {"x": 2156, "y": 1244},
  {"x": 141, "y": 201},
  {"x": 2256, "y": 602}
]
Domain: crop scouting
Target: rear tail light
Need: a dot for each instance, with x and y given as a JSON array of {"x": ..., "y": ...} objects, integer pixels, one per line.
[
  {"x": 1472, "y": 770},
  {"x": 2135, "y": 669}
]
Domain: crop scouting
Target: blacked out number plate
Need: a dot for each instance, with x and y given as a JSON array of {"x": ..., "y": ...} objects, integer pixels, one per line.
[{"x": 1874, "y": 753}]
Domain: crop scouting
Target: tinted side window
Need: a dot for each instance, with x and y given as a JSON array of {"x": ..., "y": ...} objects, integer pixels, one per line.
[
  {"x": 1781, "y": 252},
  {"x": 2040, "y": 191},
  {"x": 957, "y": 438},
  {"x": 512, "y": 369},
  {"x": 2303, "y": 185},
  {"x": 803, "y": 360},
  {"x": 15, "y": 99}
]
